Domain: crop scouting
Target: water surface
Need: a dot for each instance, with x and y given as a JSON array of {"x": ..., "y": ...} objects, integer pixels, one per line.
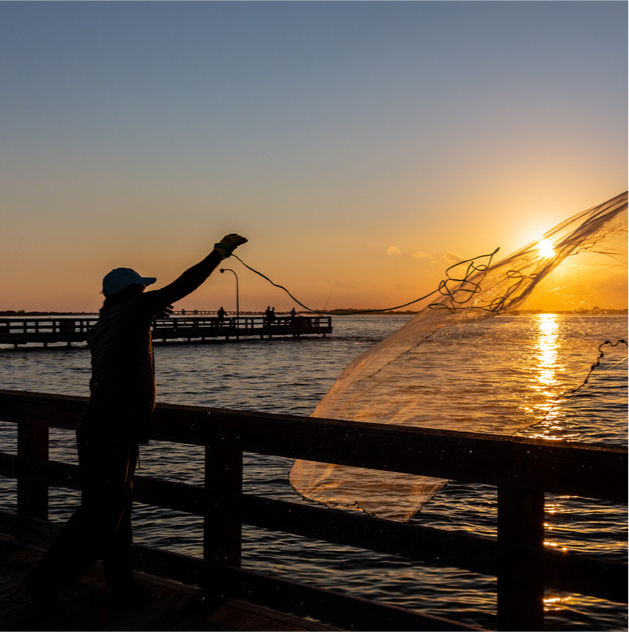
[{"x": 291, "y": 376}]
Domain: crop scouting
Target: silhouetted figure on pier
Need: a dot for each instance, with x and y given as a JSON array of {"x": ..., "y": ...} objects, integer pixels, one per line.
[
  {"x": 269, "y": 315},
  {"x": 221, "y": 314},
  {"x": 117, "y": 419}
]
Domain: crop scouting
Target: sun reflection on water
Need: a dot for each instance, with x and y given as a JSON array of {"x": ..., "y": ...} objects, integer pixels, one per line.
[
  {"x": 556, "y": 602},
  {"x": 548, "y": 349},
  {"x": 547, "y": 364}
]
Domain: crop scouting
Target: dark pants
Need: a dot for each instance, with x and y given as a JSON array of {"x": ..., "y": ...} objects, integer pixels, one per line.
[{"x": 101, "y": 527}]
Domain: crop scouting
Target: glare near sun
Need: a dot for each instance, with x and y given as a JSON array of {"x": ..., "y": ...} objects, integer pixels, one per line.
[{"x": 545, "y": 248}]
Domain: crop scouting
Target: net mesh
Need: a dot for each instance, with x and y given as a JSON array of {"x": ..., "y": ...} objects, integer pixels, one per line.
[{"x": 408, "y": 380}]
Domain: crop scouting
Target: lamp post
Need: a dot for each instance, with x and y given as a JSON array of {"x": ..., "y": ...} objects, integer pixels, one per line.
[{"x": 237, "y": 297}]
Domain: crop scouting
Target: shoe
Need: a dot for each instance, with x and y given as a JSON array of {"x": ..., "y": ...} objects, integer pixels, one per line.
[
  {"x": 132, "y": 593},
  {"x": 47, "y": 600}
]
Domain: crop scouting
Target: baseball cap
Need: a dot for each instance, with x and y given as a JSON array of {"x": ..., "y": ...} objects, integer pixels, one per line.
[{"x": 120, "y": 278}]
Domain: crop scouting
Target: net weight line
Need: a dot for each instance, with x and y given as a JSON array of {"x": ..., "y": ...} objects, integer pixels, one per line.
[
  {"x": 470, "y": 288},
  {"x": 601, "y": 355},
  {"x": 573, "y": 391}
]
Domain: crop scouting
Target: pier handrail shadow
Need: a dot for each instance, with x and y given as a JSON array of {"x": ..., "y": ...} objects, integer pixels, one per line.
[{"x": 521, "y": 469}]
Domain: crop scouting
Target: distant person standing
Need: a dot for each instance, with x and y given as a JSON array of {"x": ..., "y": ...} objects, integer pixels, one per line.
[
  {"x": 117, "y": 419},
  {"x": 221, "y": 314},
  {"x": 269, "y": 316},
  {"x": 293, "y": 313}
]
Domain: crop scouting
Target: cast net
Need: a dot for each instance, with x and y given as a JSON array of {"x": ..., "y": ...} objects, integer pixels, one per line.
[{"x": 409, "y": 378}]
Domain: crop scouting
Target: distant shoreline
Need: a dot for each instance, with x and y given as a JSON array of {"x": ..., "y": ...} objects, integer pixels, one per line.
[{"x": 337, "y": 312}]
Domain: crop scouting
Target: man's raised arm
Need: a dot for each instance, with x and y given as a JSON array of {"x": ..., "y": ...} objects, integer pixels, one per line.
[{"x": 193, "y": 277}]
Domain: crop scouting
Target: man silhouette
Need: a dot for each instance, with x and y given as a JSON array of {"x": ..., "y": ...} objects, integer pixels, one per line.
[{"x": 116, "y": 420}]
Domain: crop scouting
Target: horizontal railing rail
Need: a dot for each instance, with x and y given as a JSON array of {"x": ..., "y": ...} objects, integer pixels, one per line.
[{"x": 521, "y": 469}]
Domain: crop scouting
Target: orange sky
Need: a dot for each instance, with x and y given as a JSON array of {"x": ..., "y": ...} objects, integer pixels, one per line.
[{"x": 361, "y": 147}]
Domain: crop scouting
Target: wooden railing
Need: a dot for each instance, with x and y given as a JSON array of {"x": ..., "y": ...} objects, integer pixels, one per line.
[
  {"x": 44, "y": 330},
  {"x": 69, "y": 330},
  {"x": 521, "y": 469},
  {"x": 192, "y": 328}
]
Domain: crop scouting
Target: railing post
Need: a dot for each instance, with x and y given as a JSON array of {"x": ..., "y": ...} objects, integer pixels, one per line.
[
  {"x": 222, "y": 537},
  {"x": 32, "y": 498},
  {"x": 520, "y": 522}
]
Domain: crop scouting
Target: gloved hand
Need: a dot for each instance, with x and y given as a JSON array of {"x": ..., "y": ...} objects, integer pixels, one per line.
[
  {"x": 165, "y": 312},
  {"x": 229, "y": 243}
]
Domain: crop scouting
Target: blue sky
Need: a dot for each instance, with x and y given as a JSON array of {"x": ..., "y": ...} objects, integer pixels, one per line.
[{"x": 329, "y": 133}]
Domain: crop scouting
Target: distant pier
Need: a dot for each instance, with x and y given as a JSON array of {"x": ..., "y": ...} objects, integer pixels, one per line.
[{"x": 55, "y": 331}]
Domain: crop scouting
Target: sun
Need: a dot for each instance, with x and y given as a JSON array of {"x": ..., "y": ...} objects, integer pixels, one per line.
[{"x": 545, "y": 248}]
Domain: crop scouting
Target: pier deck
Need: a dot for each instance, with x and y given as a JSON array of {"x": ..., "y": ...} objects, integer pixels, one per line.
[
  {"x": 174, "y": 606},
  {"x": 68, "y": 331}
]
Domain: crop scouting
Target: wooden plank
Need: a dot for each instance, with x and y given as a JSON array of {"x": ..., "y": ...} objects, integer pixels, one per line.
[
  {"x": 41, "y": 409},
  {"x": 526, "y": 464},
  {"x": 565, "y": 571},
  {"x": 50, "y": 473},
  {"x": 341, "y": 610},
  {"x": 332, "y": 608},
  {"x": 32, "y": 497},
  {"x": 562, "y": 570},
  {"x": 520, "y": 522},
  {"x": 436, "y": 547},
  {"x": 293, "y": 623},
  {"x": 36, "y": 533},
  {"x": 562, "y": 468},
  {"x": 222, "y": 530},
  {"x": 87, "y": 607}
]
